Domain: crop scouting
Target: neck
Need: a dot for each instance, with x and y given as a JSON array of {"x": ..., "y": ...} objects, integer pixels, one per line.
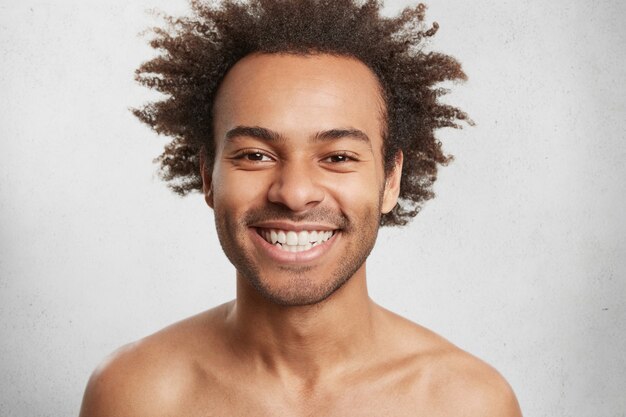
[{"x": 302, "y": 342}]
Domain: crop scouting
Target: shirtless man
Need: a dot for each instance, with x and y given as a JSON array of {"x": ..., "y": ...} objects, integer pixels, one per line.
[{"x": 300, "y": 176}]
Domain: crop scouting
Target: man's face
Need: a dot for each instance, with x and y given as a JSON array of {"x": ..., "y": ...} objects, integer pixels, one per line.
[{"x": 298, "y": 184}]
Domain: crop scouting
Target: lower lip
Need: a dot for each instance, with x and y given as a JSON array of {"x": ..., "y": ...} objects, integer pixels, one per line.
[{"x": 283, "y": 256}]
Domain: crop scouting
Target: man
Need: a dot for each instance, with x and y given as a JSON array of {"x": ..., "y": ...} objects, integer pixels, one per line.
[{"x": 302, "y": 122}]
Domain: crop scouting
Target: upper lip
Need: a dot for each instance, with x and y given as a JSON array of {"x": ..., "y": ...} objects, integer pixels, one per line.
[{"x": 296, "y": 227}]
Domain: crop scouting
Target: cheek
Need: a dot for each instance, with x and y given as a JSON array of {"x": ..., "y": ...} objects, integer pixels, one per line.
[
  {"x": 355, "y": 194},
  {"x": 237, "y": 191}
]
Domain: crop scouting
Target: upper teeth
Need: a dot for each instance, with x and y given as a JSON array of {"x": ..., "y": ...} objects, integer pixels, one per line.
[{"x": 302, "y": 240}]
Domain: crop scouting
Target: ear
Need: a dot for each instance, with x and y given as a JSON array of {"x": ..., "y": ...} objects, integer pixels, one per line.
[
  {"x": 207, "y": 189},
  {"x": 392, "y": 185}
]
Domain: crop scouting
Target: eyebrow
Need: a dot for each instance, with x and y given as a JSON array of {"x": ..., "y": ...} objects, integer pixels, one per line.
[
  {"x": 343, "y": 133},
  {"x": 254, "y": 132},
  {"x": 271, "y": 136}
]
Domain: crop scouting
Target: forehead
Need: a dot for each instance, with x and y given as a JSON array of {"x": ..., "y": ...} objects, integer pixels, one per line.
[{"x": 299, "y": 95}]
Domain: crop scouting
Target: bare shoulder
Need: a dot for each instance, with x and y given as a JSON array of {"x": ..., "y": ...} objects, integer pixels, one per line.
[
  {"x": 153, "y": 376},
  {"x": 470, "y": 387},
  {"x": 452, "y": 381}
]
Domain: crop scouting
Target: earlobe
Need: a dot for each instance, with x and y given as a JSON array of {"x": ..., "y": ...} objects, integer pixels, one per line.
[
  {"x": 392, "y": 185},
  {"x": 208, "y": 196},
  {"x": 207, "y": 188}
]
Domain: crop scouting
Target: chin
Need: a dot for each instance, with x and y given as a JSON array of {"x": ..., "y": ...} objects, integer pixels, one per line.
[{"x": 297, "y": 286}]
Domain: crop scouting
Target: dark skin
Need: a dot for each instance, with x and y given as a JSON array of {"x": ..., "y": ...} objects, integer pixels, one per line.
[
  {"x": 265, "y": 353},
  {"x": 195, "y": 52}
]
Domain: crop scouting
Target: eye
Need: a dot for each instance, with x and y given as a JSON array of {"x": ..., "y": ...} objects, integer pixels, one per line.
[
  {"x": 253, "y": 156},
  {"x": 340, "y": 158},
  {"x": 257, "y": 157}
]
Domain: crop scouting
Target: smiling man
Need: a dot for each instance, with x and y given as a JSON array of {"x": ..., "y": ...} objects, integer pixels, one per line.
[
  {"x": 300, "y": 142},
  {"x": 302, "y": 122}
]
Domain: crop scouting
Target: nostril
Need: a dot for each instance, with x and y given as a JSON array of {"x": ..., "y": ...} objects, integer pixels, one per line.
[{"x": 296, "y": 192}]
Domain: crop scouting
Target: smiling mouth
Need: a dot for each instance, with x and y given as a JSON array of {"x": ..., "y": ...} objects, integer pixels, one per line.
[{"x": 292, "y": 241}]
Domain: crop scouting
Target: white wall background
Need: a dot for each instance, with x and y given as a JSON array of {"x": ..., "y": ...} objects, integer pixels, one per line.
[{"x": 520, "y": 259}]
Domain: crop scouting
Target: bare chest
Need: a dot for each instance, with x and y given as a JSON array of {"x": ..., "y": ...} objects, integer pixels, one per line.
[{"x": 258, "y": 399}]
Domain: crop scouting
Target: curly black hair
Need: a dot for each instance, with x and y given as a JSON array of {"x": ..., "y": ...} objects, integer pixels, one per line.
[{"x": 196, "y": 52}]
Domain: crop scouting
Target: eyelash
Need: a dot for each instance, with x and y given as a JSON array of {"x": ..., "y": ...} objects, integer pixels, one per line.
[
  {"x": 246, "y": 153},
  {"x": 347, "y": 157}
]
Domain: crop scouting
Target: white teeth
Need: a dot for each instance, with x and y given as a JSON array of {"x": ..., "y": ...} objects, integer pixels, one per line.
[
  {"x": 292, "y": 238},
  {"x": 303, "y": 238},
  {"x": 291, "y": 241}
]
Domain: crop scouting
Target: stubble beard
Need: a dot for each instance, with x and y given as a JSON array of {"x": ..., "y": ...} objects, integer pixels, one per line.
[{"x": 301, "y": 288}]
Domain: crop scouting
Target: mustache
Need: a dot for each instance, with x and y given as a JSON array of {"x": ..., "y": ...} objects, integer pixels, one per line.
[{"x": 278, "y": 213}]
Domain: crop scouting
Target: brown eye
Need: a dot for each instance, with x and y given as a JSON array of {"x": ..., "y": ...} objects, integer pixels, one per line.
[
  {"x": 339, "y": 158},
  {"x": 256, "y": 156},
  {"x": 253, "y": 156}
]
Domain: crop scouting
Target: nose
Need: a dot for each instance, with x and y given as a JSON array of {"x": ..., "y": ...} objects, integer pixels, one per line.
[{"x": 295, "y": 187}]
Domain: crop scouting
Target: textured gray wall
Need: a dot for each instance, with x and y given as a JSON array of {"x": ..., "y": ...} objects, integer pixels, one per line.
[{"x": 520, "y": 259}]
